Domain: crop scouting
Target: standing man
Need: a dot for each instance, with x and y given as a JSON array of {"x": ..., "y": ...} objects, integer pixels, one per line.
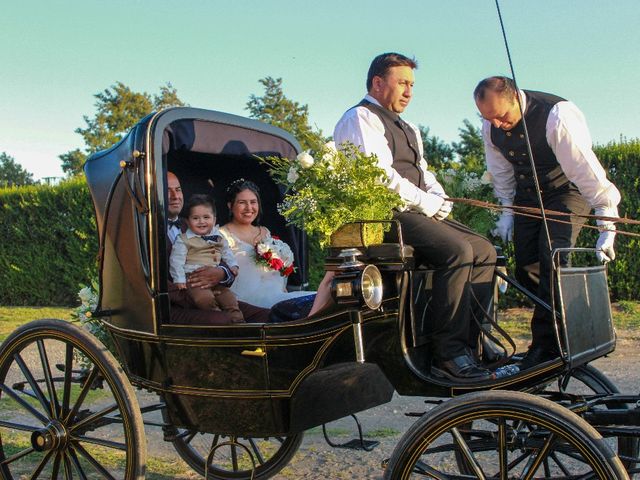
[
  {"x": 570, "y": 177},
  {"x": 205, "y": 277},
  {"x": 461, "y": 258}
]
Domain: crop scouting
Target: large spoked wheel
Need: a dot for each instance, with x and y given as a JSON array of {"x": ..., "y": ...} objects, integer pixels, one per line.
[
  {"x": 67, "y": 409},
  {"x": 234, "y": 457},
  {"x": 515, "y": 435}
]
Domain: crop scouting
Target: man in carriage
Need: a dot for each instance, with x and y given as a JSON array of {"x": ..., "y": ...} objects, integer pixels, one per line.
[
  {"x": 571, "y": 181},
  {"x": 463, "y": 260}
]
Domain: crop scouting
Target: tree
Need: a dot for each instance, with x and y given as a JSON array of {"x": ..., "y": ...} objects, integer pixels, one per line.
[
  {"x": 439, "y": 155},
  {"x": 275, "y": 108},
  {"x": 118, "y": 108},
  {"x": 12, "y": 174},
  {"x": 470, "y": 149}
]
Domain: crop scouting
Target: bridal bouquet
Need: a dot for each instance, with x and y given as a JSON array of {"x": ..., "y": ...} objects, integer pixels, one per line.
[
  {"x": 335, "y": 188},
  {"x": 276, "y": 255}
]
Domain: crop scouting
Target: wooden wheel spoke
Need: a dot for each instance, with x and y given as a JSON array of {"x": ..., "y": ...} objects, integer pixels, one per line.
[
  {"x": 468, "y": 454},
  {"x": 68, "y": 372},
  {"x": 68, "y": 472},
  {"x": 18, "y": 426},
  {"x": 37, "y": 391},
  {"x": 536, "y": 459},
  {"x": 94, "y": 417},
  {"x": 101, "y": 442},
  {"x": 43, "y": 462},
  {"x": 87, "y": 456},
  {"x": 76, "y": 464},
  {"x": 234, "y": 456},
  {"x": 83, "y": 393},
  {"x": 559, "y": 463},
  {"x": 9, "y": 391},
  {"x": 56, "y": 467},
  {"x": 423, "y": 468},
  {"x": 48, "y": 378},
  {"x": 17, "y": 456},
  {"x": 256, "y": 451},
  {"x": 502, "y": 448}
]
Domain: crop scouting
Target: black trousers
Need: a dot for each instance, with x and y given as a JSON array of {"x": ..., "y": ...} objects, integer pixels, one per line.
[
  {"x": 464, "y": 264},
  {"x": 532, "y": 252}
]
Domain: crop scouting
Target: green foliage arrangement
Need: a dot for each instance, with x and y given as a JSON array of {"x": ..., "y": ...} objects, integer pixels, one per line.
[
  {"x": 463, "y": 184},
  {"x": 49, "y": 244},
  {"x": 338, "y": 187}
]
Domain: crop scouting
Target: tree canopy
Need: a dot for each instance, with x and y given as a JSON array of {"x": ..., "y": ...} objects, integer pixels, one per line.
[
  {"x": 276, "y": 109},
  {"x": 12, "y": 174},
  {"x": 118, "y": 108}
]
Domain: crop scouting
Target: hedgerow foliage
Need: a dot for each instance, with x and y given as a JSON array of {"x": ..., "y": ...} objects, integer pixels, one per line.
[
  {"x": 622, "y": 162},
  {"x": 49, "y": 244}
]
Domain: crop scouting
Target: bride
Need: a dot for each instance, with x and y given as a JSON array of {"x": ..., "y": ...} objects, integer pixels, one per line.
[{"x": 258, "y": 283}]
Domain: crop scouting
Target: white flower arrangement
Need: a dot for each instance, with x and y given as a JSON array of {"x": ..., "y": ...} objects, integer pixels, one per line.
[{"x": 335, "y": 188}]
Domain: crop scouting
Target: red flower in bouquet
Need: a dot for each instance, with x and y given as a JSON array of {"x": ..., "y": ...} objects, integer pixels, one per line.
[{"x": 275, "y": 254}]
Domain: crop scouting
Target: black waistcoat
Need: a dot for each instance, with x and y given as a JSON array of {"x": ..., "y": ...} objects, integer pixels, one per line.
[
  {"x": 513, "y": 146},
  {"x": 403, "y": 144}
]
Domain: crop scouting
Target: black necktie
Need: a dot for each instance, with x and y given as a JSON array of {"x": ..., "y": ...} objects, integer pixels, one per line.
[
  {"x": 175, "y": 223},
  {"x": 210, "y": 238}
]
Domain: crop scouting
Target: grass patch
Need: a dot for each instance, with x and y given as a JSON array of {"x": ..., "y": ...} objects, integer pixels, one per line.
[
  {"x": 382, "y": 433},
  {"x": 12, "y": 317}
]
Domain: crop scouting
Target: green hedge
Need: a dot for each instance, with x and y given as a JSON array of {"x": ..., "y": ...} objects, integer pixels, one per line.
[
  {"x": 49, "y": 244},
  {"x": 622, "y": 162}
]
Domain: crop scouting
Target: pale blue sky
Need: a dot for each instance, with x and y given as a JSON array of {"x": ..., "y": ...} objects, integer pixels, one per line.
[{"x": 55, "y": 55}]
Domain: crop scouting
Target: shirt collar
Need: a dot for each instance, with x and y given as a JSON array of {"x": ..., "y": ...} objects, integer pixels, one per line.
[
  {"x": 190, "y": 233},
  {"x": 370, "y": 99}
]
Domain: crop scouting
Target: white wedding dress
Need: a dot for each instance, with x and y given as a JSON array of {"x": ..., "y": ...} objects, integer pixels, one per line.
[{"x": 257, "y": 284}]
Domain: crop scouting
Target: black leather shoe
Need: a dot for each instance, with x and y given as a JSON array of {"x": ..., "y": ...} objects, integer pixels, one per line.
[
  {"x": 462, "y": 369},
  {"x": 538, "y": 354}
]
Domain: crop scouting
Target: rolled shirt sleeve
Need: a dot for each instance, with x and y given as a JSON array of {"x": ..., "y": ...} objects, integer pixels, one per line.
[
  {"x": 569, "y": 138},
  {"x": 177, "y": 260},
  {"x": 365, "y": 130},
  {"x": 503, "y": 178}
]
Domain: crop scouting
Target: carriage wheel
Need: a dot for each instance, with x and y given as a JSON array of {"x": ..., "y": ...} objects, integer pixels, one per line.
[
  {"x": 68, "y": 411},
  {"x": 232, "y": 461},
  {"x": 587, "y": 379},
  {"x": 515, "y": 436}
]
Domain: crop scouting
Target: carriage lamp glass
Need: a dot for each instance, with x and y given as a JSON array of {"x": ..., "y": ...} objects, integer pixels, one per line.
[
  {"x": 371, "y": 287},
  {"x": 358, "y": 286}
]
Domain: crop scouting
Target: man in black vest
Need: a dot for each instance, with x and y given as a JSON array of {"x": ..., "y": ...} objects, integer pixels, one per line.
[
  {"x": 570, "y": 177},
  {"x": 461, "y": 258}
]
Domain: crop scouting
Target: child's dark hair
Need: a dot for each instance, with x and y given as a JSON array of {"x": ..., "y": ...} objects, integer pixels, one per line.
[
  {"x": 241, "y": 185},
  {"x": 198, "y": 199}
]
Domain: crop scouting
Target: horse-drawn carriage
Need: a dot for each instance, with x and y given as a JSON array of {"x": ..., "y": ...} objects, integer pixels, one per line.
[{"x": 235, "y": 399}]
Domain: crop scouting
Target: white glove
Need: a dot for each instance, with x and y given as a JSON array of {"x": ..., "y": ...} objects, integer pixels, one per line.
[
  {"x": 604, "y": 245},
  {"x": 430, "y": 203},
  {"x": 504, "y": 226},
  {"x": 444, "y": 211}
]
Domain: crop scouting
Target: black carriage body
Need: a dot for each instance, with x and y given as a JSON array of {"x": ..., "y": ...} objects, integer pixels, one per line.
[{"x": 250, "y": 379}]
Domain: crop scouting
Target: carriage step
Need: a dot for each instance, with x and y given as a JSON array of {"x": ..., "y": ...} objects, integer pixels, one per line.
[{"x": 355, "y": 444}]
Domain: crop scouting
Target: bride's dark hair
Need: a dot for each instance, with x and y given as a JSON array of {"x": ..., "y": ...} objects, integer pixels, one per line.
[{"x": 240, "y": 185}]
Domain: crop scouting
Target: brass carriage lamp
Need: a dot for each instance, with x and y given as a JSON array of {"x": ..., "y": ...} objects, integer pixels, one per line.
[{"x": 356, "y": 285}]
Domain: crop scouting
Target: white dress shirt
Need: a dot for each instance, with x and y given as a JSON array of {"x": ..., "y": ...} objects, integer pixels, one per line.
[
  {"x": 568, "y": 136},
  {"x": 365, "y": 130},
  {"x": 173, "y": 231}
]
